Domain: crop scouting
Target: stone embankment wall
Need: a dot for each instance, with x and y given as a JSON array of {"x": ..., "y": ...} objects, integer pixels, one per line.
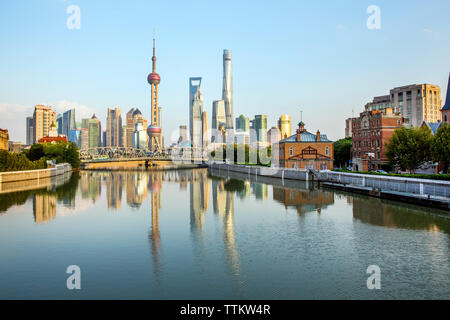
[
  {"x": 14, "y": 176},
  {"x": 436, "y": 188}
]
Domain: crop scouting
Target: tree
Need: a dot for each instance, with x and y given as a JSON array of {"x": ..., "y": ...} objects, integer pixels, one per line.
[
  {"x": 409, "y": 148},
  {"x": 61, "y": 152},
  {"x": 440, "y": 146},
  {"x": 36, "y": 152},
  {"x": 342, "y": 151}
]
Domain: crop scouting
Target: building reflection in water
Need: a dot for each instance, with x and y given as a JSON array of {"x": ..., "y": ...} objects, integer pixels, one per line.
[
  {"x": 223, "y": 204},
  {"x": 303, "y": 200},
  {"x": 91, "y": 185},
  {"x": 114, "y": 184},
  {"x": 44, "y": 207},
  {"x": 382, "y": 213},
  {"x": 136, "y": 186},
  {"x": 260, "y": 190},
  {"x": 199, "y": 200}
]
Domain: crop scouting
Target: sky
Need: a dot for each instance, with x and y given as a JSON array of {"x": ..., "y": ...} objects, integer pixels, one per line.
[{"x": 318, "y": 57}]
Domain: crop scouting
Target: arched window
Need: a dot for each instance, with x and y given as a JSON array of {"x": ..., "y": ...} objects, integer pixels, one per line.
[{"x": 291, "y": 151}]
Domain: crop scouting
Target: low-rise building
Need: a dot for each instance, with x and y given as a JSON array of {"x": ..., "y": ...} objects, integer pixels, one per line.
[
  {"x": 306, "y": 150},
  {"x": 370, "y": 133},
  {"x": 16, "y": 146}
]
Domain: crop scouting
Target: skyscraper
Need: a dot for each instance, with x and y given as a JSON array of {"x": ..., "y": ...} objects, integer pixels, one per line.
[
  {"x": 195, "y": 111},
  {"x": 284, "y": 125},
  {"x": 30, "y": 131},
  {"x": 43, "y": 118},
  {"x": 124, "y": 137},
  {"x": 59, "y": 124},
  {"x": 154, "y": 131},
  {"x": 114, "y": 128},
  {"x": 130, "y": 127},
  {"x": 139, "y": 140},
  {"x": 94, "y": 132},
  {"x": 205, "y": 130},
  {"x": 68, "y": 122},
  {"x": 273, "y": 135},
  {"x": 242, "y": 124},
  {"x": 218, "y": 114},
  {"x": 183, "y": 134},
  {"x": 84, "y": 135},
  {"x": 227, "y": 94},
  {"x": 260, "y": 127}
]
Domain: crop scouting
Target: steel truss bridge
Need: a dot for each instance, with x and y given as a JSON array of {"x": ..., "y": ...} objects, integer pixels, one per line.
[{"x": 120, "y": 154}]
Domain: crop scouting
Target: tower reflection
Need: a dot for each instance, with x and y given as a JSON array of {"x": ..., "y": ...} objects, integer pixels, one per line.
[
  {"x": 154, "y": 186},
  {"x": 223, "y": 201}
]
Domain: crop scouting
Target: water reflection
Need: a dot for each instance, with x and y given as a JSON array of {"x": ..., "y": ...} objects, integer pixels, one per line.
[
  {"x": 238, "y": 233},
  {"x": 61, "y": 189},
  {"x": 400, "y": 216},
  {"x": 154, "y": 236},
  {"x": 303, "y": 200},
  {"x": 44, "y": 207}
]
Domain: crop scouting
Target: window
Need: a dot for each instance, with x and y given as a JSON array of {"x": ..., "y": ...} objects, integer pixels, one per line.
[
  {"x": 291, "y": 151},
  {"x": 327, "y": 151}
]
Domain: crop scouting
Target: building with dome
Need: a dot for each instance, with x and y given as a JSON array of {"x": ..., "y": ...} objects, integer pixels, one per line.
[
  {"x": 154, "y": 130},
  {"x": 306, "y": 150}
]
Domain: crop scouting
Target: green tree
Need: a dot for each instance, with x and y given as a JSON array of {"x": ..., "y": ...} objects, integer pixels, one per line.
[
  {"x": 10, "y": 161},
  {"x": 342, "y": 151},
  {"x": 440, "y": 146},
  {"x": 36, "y": 152},
  {"x": 61, "y": 152},
  {"x": 409, "y": 148}
]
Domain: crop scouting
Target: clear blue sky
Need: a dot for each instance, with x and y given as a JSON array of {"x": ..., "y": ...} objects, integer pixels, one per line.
[{"x": 315, "y": 56}]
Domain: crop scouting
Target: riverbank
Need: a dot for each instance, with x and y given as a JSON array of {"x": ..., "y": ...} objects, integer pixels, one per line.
[
  {"x": 32, "y": 179},
  {"x": 423, "y": 192}
]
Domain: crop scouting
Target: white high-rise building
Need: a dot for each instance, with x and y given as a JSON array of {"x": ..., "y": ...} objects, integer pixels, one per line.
[
  {"x": 227, "y": 93},
  {"x": 195, "y": 112},
  {"x": 139, "y": 140}
]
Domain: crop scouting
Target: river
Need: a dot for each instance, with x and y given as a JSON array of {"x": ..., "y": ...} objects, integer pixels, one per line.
[{"x": 194, "y": 234}]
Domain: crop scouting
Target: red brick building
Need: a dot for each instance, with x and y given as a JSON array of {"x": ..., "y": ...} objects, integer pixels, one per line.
[
  {"x": 446, "y": 108},
  {"x": 370, "y": 133},
  {"x": 53, "y": 139},
  {"x": 306, "y": 150}
]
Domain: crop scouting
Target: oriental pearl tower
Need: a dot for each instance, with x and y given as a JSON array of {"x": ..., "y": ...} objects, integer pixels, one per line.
[{"x": 154, "y": 130}]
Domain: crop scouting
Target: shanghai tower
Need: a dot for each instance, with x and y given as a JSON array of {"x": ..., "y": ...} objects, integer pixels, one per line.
[{"x": 227, "y": 94}]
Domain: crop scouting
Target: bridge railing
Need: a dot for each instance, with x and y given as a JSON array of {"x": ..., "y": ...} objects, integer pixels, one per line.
[{"x": 113, "y": 153}]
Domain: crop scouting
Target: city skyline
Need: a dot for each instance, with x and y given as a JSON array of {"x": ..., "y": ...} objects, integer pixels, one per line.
[{"x": 332, "y": 47}]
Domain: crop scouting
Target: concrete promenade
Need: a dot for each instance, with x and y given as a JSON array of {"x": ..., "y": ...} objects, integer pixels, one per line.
[{"x": 434, "y": 193}]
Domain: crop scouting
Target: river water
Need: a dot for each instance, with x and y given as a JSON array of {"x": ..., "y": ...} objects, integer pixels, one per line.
[{"x": 195, "y": 234}]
